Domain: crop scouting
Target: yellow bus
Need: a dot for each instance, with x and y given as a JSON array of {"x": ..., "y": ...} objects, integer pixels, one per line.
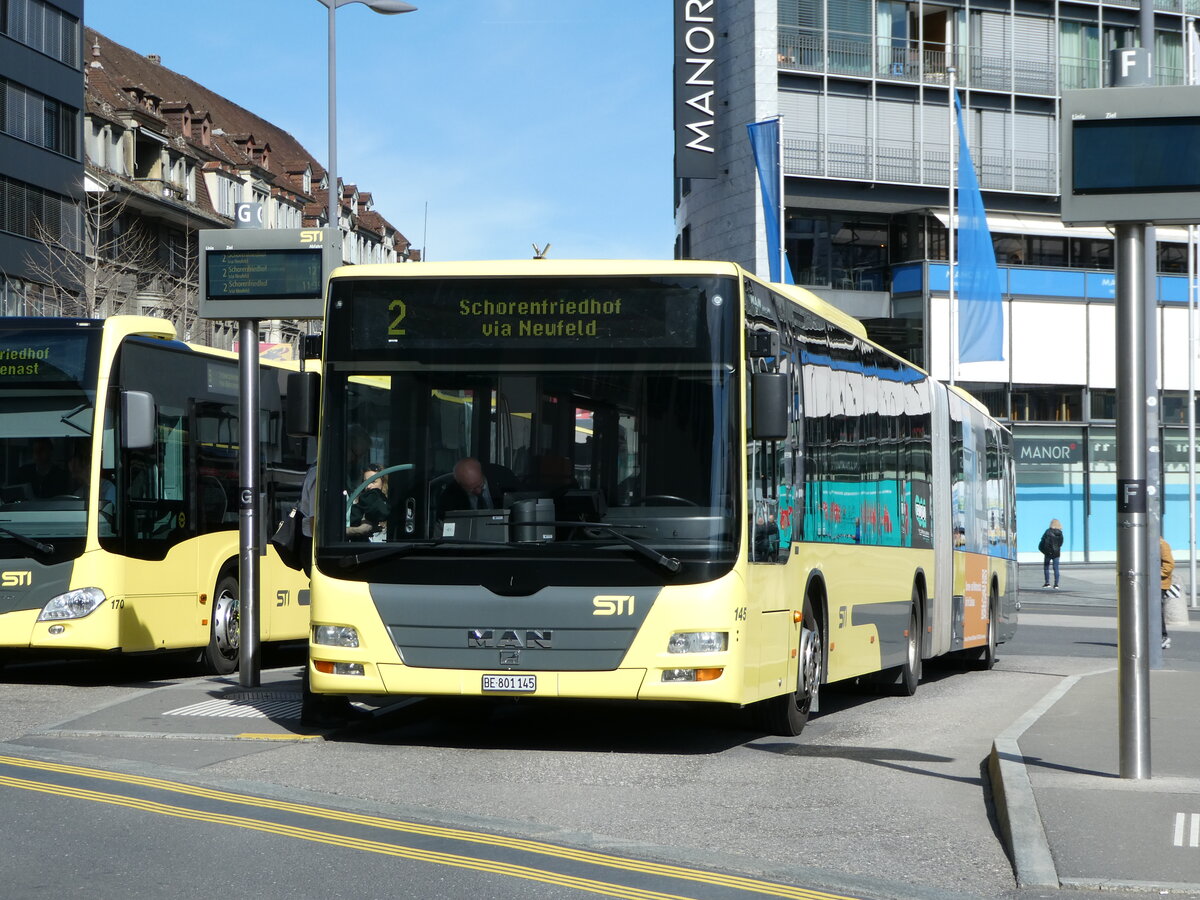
[
  {"x": 699, "y": 487},
  {"x": 119, "y": 497}
]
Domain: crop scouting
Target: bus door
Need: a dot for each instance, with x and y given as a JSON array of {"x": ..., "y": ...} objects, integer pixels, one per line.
[
  {"x": 770, "y": 602},
  {"x": 160, "y": 603},
  {"x": 153, "y": 524}
]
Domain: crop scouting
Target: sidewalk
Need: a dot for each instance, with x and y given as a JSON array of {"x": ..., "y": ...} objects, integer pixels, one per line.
[{"x": 1068, "y": 817}]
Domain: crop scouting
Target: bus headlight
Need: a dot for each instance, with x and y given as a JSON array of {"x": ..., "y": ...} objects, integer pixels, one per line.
[
  {"x": 335, "y": 635},
  {"x": 698, "y": 642},
  {"x": 72, "y": 605}
]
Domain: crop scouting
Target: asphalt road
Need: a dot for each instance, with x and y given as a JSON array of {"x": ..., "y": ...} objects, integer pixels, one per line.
[{"x": 881, "y": 796}]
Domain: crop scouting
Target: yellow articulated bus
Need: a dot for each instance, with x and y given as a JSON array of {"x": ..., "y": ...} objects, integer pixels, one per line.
[
  {"x": 119, "y": 496},
  {"x": 640, "y": 480}
]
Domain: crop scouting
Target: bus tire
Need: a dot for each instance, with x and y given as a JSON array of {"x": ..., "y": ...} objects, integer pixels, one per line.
[
  {"x": 987, "y": 654},
  {"x": 225, "y": 628},
  {"x": 910, "y": 672},
  {"x": 788, "y": 713}
]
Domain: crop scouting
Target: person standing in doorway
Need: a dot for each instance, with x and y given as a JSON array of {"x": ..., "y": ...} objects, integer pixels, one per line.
[{"x": 1051, "y": 549}]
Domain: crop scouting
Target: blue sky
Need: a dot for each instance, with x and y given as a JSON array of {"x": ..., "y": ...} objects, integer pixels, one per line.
[{"x": 514, "y": 121}]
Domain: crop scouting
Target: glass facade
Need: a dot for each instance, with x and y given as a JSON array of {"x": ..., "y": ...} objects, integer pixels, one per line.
[{"x": 1070, "y": 474}]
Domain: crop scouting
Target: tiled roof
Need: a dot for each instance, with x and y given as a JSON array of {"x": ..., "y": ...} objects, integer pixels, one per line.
[{"x": 123, "y": 76}]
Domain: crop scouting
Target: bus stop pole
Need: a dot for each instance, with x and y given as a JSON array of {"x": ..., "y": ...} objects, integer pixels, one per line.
[
  {"x": 1133, "y": 565},
  {"x": 248, "y": 464}
]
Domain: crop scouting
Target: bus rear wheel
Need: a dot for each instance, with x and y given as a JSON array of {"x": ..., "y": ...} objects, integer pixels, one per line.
[
  {"x": 987, "y": 654},
  {"x": 787, "y": 714},
  {"x": 225, "y": 629}
]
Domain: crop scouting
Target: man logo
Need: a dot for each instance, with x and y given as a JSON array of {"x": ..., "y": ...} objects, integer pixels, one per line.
[
  {"x": 16, "y": 579},
  {"x": 613, "y": 605}
]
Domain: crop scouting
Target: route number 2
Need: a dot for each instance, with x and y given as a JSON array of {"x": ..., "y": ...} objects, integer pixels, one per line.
[{"x": 399, "y": 310}]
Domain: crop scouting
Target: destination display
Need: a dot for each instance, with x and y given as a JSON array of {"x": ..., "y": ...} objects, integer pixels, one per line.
[
  {"x": 47, "y": 357},
  {"x": 264, "y": 274},
  {"x": 636, "y": 313}
]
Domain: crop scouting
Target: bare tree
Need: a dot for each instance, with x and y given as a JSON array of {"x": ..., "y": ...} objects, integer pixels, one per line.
[
  {"x": 116, "y": 259},
  {"x": 92, "y": 273}
]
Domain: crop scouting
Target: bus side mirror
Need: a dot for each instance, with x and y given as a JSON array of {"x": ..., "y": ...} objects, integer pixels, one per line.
[
  {"x": 303, "y": 403},
  {"x": 138, "y": 420},
  {"x": 311, "y": 348},
  {"x": 769, "y": 394}
]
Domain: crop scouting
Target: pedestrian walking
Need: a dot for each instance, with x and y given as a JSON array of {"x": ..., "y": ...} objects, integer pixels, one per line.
[
  {"x": 1167, "y": 569},
  {"x": 1051, "y": 548}
]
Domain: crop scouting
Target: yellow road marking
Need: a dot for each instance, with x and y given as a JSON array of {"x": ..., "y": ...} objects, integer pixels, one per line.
[
  {"x": 351, "y": 843},
  {"x": 529, "y": 846}
]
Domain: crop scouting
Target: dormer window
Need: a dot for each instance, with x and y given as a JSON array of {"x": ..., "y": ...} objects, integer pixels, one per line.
[{"x": 308, "y": 181}]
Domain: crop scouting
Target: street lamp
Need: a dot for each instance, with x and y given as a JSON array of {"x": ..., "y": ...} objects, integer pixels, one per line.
[{"x": 384, "y": 7}]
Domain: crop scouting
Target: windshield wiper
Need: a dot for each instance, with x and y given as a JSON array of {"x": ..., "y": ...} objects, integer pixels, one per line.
[
  {"x": 356, "y": 559},
  {"x": 66, "y": 418},
  {"x": 670, "y": 563},
  {"x": 28, "y": 541}
]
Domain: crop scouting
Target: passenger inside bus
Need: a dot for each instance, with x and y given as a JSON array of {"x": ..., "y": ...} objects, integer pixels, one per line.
[{"x": 369, "y": 513}]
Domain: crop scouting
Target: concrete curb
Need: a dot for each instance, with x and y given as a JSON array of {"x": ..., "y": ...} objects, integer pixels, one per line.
[
  {"x": 1016, "y": 805},
  {"x": 1020, "y": 822}
]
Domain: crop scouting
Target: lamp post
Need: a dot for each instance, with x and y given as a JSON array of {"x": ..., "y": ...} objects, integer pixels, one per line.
[{"x": 384, "y": 7}]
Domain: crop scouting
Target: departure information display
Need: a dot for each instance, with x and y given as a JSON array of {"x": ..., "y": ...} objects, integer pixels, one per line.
[{"x": 264, "y": 274}]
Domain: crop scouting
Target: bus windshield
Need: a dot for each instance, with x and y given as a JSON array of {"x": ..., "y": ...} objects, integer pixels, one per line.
[
  {"x": 47, "y": 415},
  {"x": 568, "y": 418}
]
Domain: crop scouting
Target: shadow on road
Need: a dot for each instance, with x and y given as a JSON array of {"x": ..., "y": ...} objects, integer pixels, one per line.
[{"x": 139, "y": 670}]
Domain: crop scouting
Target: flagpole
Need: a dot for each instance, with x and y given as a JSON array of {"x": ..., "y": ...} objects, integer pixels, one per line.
[
  {"x": 1190, "y": 63},
  {"x": 782, "y": 204},
  {"x": 950, "y": 226}
]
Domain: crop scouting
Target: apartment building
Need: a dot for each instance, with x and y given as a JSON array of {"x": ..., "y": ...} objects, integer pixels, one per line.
[
  {"x": 41, "y": 155},
  {"x": 861, "y": 87}
]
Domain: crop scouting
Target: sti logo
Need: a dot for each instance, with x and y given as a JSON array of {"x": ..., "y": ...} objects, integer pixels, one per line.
[
  {"x": 16, "y": 579},
  {"x": 311, "y": 236},
  {"x": 612, "y": 605}
]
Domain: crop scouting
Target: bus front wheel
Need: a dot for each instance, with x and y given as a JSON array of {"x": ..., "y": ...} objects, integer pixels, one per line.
[
  {"x": 787, "y": 714},
  {"x": 910, "y": 672},
  {"x": 225, "y": 629}
]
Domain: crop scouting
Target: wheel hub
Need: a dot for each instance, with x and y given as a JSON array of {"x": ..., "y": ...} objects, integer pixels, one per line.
[
  {"x": 810, "y": 663},
  {"x": 227, "y": 624}
]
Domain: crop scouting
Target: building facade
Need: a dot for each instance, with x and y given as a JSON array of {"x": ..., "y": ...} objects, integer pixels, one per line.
[
  {"x": 41, "y": 151},
  {"x": 862, "y": 89}
]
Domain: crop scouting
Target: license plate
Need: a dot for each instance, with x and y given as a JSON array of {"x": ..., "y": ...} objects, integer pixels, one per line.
[{"x": 510, "y": 683}]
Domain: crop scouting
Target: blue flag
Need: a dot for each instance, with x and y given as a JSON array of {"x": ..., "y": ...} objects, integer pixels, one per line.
[
  {"x": 980, "y": 311},
  {"x": 764, "y": 140}
]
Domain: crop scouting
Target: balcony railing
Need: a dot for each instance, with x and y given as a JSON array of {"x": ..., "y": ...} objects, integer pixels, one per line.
[
  {"x": 892, "y": 59},
  {"x": 908, "y": 162}
]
